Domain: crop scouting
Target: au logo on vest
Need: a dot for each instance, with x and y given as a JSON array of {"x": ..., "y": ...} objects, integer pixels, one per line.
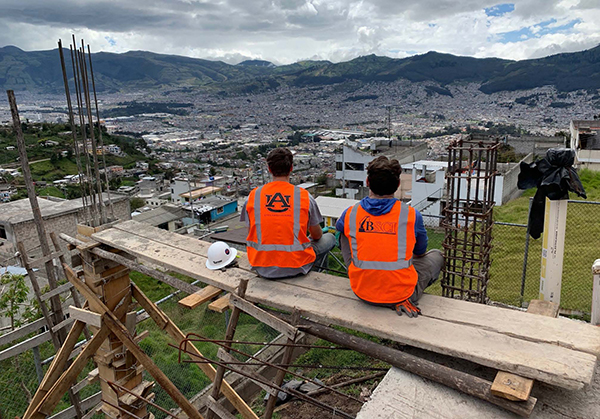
[
  {"x": 368, "y": 225},
  {"x": 278, "y": 202}
]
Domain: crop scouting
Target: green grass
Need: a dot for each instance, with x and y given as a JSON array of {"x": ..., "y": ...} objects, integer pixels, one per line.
[
  {"x": 50, "y": 191},
  {"x": 581, "y": 250},
  {"x": 51, "y": 171}
]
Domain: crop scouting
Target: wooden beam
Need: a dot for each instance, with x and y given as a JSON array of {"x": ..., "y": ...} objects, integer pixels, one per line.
[
  {"x": 458, "y": 380},
  {"x": 512, "y": 386},
  {"x": 86, "y": 316},
  {"x": 26, "y": 345},
  {"x": 58, "y": 290},
  {"x": 172, "y": 329},
  {"x": 258, "y": 313},
  {"x": 205, "y": 294},
  {"x": 113, "y": 323},
  {"x": 22, "y": 331},
  {"x": 219, "y": 410},
  {"x": 167, "y": 279},
  {"x": 39, "y": 262},
  {"x": 255, "y": 377},
  {"x": 67, "y": 378},
  {"x": 221, "y": 304}
]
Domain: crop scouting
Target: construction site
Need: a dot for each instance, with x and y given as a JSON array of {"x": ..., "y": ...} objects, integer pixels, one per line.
[{"x": 465, "y": 357}]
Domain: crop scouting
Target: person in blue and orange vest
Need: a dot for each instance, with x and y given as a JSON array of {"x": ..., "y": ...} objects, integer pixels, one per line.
[
  {"x": 280, "y": 217},
  {"x": 384, "y": 244}
]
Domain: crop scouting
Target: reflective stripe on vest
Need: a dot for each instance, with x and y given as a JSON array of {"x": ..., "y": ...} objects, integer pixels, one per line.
[
  {"x": 401, "y": 263},
  {"x": 297, "y": 246}
]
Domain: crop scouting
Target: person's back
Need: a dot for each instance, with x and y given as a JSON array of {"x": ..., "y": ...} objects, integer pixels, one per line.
[
  {"x": 384, "y": 244},
  {"x": 278, "y": 216}
]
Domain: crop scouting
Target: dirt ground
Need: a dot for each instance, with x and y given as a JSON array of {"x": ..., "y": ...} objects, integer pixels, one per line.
[{"x": 297, "y": 409}]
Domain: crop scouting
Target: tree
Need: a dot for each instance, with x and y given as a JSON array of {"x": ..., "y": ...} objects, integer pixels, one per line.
[
  {"x": 137, "y": 203},
  {"x": 212, "y": 171},
  {"x": 13, "y": 294}
]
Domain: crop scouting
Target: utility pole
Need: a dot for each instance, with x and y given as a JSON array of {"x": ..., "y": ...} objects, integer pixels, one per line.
[
  {"x": 389, "y": 121},
  {"x": 191, "y": 201}
]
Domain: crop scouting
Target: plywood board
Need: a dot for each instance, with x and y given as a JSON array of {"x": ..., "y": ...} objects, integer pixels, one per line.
[
  {"x": 483, "y": 335},
  {"x": 220, "y": 305},
  {"x": 205, "y": 294}
]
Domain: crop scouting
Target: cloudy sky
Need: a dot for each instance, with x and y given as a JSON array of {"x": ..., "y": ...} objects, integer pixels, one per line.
[{"x": 285, "y": 31}]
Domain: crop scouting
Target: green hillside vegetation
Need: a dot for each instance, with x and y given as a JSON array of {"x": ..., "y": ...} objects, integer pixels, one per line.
[
  {"x": 135, "y": 70},
  {"x": 46, "y": 161}
]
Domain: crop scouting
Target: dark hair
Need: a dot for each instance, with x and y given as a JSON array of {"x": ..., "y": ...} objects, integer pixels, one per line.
[
  {"x": 280, "y": 161},
  {"x": 384, "y": 175}
]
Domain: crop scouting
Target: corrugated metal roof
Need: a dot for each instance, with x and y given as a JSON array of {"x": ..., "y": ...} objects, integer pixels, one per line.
[{"x": 161, "y": 215}]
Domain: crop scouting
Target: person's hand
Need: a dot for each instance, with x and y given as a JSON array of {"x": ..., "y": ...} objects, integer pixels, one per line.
[{"x": 407, "y": 308}]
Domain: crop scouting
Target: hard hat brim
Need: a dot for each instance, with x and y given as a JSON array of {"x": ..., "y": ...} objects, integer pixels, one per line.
[{"x": 224, "y": 263}]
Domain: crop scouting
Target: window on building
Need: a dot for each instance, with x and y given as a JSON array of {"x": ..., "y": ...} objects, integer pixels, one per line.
[
  {"x": 338, "y": 165},
  {"x": 220, "y": 210},
  {"x": 355, "y": 166},
  {"x": 2, "y": 232}
]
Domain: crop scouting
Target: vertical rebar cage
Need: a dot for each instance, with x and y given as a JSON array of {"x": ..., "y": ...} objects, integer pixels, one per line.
[{"x": 468, "y": 218}]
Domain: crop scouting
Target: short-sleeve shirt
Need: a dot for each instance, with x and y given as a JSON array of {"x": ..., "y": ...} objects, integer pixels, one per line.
[{"x": 273, "y": 272}]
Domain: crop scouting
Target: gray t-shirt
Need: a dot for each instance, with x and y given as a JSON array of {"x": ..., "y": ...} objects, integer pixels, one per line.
[{"x": 275, "y": 272}]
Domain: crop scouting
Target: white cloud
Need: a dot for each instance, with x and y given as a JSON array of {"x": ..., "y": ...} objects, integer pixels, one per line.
[{"x": 285, "y": 31}]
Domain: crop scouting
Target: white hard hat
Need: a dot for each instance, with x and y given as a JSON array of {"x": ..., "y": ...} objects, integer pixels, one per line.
[{"x": 220, "y": 255}]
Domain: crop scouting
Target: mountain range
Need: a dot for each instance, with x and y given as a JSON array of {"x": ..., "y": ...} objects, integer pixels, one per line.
[{"x": 40, "y": 71}]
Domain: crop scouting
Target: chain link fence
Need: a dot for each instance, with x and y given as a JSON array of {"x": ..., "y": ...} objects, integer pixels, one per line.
[
  {"x": 516, "y": 260},
  {"x": 19, "y": 380}
]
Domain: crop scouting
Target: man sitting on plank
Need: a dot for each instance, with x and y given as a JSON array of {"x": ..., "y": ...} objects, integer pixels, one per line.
[
  {"x": 384, "y": 244},
  {"x": 278, "y": 216}
]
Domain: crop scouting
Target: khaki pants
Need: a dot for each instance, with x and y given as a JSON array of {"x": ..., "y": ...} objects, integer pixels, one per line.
[{"x": 428, "y": 268}]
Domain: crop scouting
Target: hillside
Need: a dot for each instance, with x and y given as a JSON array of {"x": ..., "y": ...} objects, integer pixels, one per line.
[{"x": 39, "y": 71}]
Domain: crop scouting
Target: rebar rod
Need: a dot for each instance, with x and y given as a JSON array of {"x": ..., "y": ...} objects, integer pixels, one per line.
[
  {"x": 101, "y": 140},
  {"x": 116, "y": 386},
  {"x": 71, "y": 118},
  {"x": 184, "y": 342},
  {"x": 289, "y": 391},
  {"x": 88, "y": 106}
]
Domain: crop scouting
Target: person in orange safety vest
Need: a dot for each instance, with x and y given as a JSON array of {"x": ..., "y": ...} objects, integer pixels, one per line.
[
  {"x": 279, "y": 216},
  {"x": 384, "y": 244}
]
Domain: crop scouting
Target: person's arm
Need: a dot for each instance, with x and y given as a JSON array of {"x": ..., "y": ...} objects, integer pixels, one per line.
[
  {"x": 244, "y": 214},
  {"x": 344, "y": 243},
  {"x": 314, "y": 219},
  {"x": 420, "y": 235}
]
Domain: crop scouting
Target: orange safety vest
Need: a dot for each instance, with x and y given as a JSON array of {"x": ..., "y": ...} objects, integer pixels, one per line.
[
  {"x": 278, "y": 215},
  {"x": 381, "y": 270}
]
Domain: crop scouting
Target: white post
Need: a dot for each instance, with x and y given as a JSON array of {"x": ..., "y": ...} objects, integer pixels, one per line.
[
  {"x": 596, "y": 293},
  {"x": 553, "y": 248}
]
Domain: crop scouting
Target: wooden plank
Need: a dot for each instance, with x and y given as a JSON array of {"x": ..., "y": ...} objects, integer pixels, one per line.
[
  {"x": 62, "y": 324},
  {"x": 22, "y": 331},
  {"x": 26, "y": 345},
  {"x": 41, "y": 261},
  {"x": 511, "y": 386},
  {"x": 562, "y": 331},
  {"x": 221, "y": 304},
  {"x": 58, "y": 290},
  {"x": 172, "y": 329},
  {"x": 139, "y": 390},
  {"x": 67, "y": 378},
  {"x": 499, "y": 338},
  {"x": 219, "y": 410},
  {"x": 86, "y": 316},
  {"x": 254, "y": 376},
  {"x": 543, "y": 308},
  {"x": 205, "y": 294},
  {"x": 88, "y": 403},
  {"x": 247, "y": 307}
]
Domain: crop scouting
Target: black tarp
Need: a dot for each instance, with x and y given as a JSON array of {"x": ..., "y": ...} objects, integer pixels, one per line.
[{"x": 554, "y": 177}]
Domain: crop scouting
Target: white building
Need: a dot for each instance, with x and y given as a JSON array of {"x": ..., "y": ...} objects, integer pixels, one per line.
[
  {"x": 351, "y": 164},
  {"x": 585, "y": 140},
  {"x": 332, "y": 208}
]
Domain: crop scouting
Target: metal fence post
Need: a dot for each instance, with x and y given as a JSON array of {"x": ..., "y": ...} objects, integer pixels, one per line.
[{"x": 524, "y": 274}]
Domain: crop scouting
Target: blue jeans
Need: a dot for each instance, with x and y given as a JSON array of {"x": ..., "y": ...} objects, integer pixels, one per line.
[{"x": 322, "y": 248}]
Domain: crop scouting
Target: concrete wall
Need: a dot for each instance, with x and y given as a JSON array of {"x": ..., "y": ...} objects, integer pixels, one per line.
[
  {"x": 510, "y": 190},
  {"x": 535, "y": 144},
  {"x": 65, "y": 223}
]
